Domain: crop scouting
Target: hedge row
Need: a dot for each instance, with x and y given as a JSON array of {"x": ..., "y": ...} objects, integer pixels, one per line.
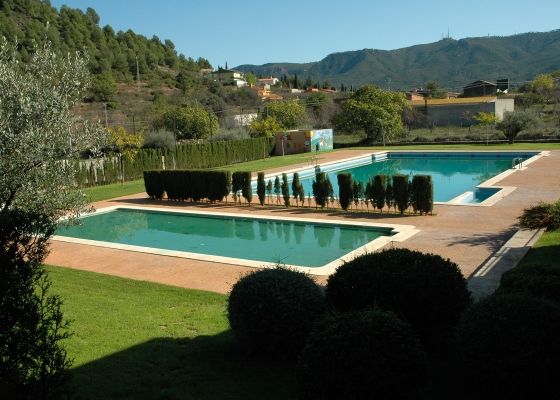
[
  {"x": 186, "y": 156},
  {"x": 381, "y": 191},
  {"x": 195, "y": 185}
]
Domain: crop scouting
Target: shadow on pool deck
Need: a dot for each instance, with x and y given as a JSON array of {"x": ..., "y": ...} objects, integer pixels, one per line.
[{"x": 470, "y": 236}]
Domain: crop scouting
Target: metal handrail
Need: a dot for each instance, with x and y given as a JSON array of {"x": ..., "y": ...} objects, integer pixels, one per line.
[{"x": 513, "y": 164}]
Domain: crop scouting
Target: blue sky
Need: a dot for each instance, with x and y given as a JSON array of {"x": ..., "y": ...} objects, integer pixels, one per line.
[{"x": 259, "y": 32}]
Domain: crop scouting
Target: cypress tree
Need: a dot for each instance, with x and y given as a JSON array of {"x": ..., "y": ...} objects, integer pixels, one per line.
[
  {"x": 379, "y": 184},
  {"x": 277, "y": 189},
  {"x": 285, "y": 190},
  {"x": 320, "y": 190},
  {"x": 261, "y": 188},
  {"x": 345, "y": 186},
  {"x": 295, "y": 187},
  {"x": 400, "y": 192}
]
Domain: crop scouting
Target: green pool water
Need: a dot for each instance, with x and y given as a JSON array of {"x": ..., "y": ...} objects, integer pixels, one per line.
[{"x": 292, "y": 243}]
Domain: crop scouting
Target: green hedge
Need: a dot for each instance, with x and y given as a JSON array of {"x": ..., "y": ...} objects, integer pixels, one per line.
[
  {"x": 154, "y": 185},
  {"x": 183, "y": 157},
  {"x": 509, "y": 348},
  {"x": 195, "y": 185},
  {"x": 367, "y": 354}
]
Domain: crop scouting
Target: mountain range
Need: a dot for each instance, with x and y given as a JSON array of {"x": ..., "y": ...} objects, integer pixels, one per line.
[{"x": 449, "y": 62}]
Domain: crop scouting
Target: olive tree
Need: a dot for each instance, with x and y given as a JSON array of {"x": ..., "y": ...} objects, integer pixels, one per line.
[
  {"x": 517, "y": 121},
  {"x": 40, "y": 142}
]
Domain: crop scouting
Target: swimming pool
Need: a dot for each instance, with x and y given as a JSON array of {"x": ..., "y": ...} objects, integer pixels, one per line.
[
  {"x": 462, "y": 178},
  {"x": 307, "y": 244}
]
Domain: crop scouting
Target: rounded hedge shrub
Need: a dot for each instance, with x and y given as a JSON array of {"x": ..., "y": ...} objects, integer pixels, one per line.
[
  {"x": 539, "y": 279},
  {"x": 271, "y": 311},
  {"x": 508, "y": 346},
  {"x": 369, "y": 354},
  {"x": 426, "y": 290}
]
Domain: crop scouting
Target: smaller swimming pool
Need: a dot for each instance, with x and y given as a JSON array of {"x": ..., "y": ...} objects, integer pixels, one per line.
[{"x": 311, "y": 245}]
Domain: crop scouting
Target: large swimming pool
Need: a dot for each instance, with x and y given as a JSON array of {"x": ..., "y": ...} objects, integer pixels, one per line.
[
  {"x": 313, "y": 245},
  {"x": 458, "y": 177}
]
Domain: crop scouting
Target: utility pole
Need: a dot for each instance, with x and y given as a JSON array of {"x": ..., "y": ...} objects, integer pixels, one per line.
[
  {"x": 105, "y": 104},
  {"x": 137, "y": 71}
]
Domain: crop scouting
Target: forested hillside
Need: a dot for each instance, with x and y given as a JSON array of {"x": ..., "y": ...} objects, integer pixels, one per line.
[
  {"x": 114, "y": 56},
  {"x": 452, "y": 63}
]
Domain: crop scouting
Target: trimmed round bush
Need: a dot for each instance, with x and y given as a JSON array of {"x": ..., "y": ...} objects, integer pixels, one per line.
[
  {"x": 539, "y": 279},
  {"x": 427, "y": 291},
  {"x": 369, "y": 354},
  {"x": 271, "y": 311},
  {"x": 508, "y": 346}
]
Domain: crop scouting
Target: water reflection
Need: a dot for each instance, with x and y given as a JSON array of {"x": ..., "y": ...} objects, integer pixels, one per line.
[{"x": 231, "y": 237}]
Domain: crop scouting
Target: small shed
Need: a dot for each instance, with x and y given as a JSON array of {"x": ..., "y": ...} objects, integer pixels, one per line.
[
  {"x": 480, "y": 88},
  {"x": 304, "y": 141}
]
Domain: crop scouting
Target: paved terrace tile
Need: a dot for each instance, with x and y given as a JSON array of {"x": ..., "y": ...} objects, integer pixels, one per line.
[{"x": 470, "y": 236}]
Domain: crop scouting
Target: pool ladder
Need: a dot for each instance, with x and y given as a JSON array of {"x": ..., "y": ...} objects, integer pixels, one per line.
[{"x": 513, "y": 164}]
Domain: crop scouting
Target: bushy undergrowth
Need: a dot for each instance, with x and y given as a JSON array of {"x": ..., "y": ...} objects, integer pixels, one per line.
[
  {"x": 539, "y": 279},
  {"x": 271, "y": 311},
  {"x": 508, "y": 345},
  {"x": 367, "y": 354},
  {"x": 158, "y": 140},
  {"x": 424, "y": 289},
  {"x": 543, "y": 215}
]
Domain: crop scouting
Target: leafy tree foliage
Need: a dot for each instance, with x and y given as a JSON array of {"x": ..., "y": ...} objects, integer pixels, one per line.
[
  {"x": 38, "y": 131},
  {"x": 188, "y": 122},
  {"x": 103, "y": 87},
  {"x": 433, "y": 91},
  {"x": 290, "y": 114},
  {"x": 542, "y": 82},
  {"x": 39, "y": 141},
  {"x": 372, "y": 109},
  {"x": 318, "y": 100},
  {"x": 251, "y": 79},
  {"x": 517, "y": 121},
  {"x": 125, "y": 144},
  {"x": 265, "y": 127}
]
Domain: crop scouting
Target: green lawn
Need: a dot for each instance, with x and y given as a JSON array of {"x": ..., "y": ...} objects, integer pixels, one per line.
[
  {"x": 105, "y": 192},
  {"x": 547, "y": 248},
  {"x": 141, "y": 340}
]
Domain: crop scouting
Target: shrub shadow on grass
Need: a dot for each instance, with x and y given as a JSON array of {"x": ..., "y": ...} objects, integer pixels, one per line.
[{"x": 203, "y": 367}]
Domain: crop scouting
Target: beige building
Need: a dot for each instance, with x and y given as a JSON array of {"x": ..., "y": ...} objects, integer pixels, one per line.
[
  {"x": 229, "y": 76},
  {"x": 452, "y": 111}
]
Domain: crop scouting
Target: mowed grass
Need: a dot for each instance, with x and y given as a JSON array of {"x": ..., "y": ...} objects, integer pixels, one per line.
[
  {"x": 105, "y": 192},
  {"x": 141, "y": 340},
  {"x": 547, "y": 249}
]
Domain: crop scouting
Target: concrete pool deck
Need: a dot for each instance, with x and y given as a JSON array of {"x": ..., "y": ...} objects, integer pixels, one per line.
[{"x": 483, "y": 241}]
